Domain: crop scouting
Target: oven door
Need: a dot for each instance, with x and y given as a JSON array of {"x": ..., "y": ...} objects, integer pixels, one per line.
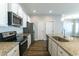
[{"x": 23, "y": 46}]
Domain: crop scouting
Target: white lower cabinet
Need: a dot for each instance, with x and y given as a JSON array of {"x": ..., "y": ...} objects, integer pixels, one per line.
[
  {"x": 55, "y": 50},
  {"x": 49, "y": 46},
  {"x": 61, "y": 52},
  {"x": 14, "y": 51},
  {"x": 29, "y": 40},
  {"x": 52, "y": 47}
]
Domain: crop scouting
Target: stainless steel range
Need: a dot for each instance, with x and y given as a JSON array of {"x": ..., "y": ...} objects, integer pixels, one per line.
[{"x": 13, "y": 37}]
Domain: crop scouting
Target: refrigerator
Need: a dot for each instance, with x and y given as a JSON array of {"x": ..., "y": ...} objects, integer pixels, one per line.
[{"x": 30, "y": 31}]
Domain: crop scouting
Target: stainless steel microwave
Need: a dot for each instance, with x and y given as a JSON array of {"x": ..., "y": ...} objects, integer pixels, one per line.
[{"x": 14, "y": 19}]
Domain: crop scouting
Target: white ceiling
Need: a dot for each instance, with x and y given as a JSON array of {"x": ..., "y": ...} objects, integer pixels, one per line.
[{"x": 57, "y": 8}]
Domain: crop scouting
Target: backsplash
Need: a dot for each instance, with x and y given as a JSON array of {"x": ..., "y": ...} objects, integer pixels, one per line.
[{"x": 10, "y": 28}]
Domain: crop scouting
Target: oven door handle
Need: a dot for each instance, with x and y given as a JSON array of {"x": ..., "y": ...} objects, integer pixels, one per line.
[{"x": 23, "y": 42}]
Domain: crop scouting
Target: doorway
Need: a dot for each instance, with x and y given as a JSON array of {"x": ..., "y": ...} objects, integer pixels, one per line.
[{"x": 41, "y": 31}]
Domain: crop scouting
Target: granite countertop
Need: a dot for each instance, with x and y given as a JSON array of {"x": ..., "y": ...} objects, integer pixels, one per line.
[
  {"x": 72, "y": 47},
  {"x": 5, "y": 47}
]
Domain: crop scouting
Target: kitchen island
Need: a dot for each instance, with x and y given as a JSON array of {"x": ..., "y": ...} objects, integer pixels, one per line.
[{"x": 70, "y": 48}]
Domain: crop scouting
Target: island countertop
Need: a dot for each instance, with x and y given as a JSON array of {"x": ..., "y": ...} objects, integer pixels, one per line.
[
  {"x": 5, "y": 47},
  {"x": 72, "y": 47}
]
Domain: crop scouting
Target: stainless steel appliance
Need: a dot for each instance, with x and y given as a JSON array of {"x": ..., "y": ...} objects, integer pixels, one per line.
[
  {"x": 12, "y": 37},
  {"x": 14, "y": 19},
  {"x": 31, "y": 31}
]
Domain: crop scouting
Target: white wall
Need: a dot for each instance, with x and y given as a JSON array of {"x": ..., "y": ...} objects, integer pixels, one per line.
[
  {"x": 3, "y": 14},
  {"x": 49, "y": 24},
  {"x": 58, "y": 24},
  {"x": 42, "y": 30},
  {"x": 10, "y": 28},
  {"x": 37, "y": 19}
]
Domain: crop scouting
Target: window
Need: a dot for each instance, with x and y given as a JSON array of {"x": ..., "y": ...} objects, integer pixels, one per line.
[
  {"x": 71, "y": 27},
  {"x": 68, "y": 27}
]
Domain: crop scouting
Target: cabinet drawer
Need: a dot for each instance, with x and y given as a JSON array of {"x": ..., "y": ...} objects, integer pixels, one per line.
[
  {"x": 61, "y": 52},
  {"x": 14, "y": 51}
]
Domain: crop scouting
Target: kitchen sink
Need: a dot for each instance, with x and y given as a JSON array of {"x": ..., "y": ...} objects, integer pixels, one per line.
[{"x": 60, "y": 39}]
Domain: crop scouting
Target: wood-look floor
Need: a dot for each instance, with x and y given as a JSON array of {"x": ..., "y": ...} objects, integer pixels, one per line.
[{"x": 38, "y": 48}]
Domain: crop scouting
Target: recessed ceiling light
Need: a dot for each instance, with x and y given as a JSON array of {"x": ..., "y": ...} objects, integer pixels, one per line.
[
  {"x": 50, "y": 11},
  {"x": 34, "y": 11}
]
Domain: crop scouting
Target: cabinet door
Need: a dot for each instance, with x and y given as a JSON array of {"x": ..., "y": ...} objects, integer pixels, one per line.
[
  {"x": 14, "y": 51},
  {"x": 61, "y": 52},
  {"x": 20, "y": 11},
  {"x": 49, "y": 46},
  {"x": 24, "y": 20},
  {"x": 13, "y": 7},
  {"x": 54, "y": 49},
  {"x": 29, "y": 40}
]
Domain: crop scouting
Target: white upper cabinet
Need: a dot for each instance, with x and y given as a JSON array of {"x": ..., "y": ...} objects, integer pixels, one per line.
[
  {"x": 19, "y": 11},
  {"x": 29, "y": 19},
  {"x": 3, "y": 14},
  {"x": 16, "y": 8},
  {"x": 24, "y": 20},
  {"x": 23, "y": 15},
  {"x": 13, "y": 7}
]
